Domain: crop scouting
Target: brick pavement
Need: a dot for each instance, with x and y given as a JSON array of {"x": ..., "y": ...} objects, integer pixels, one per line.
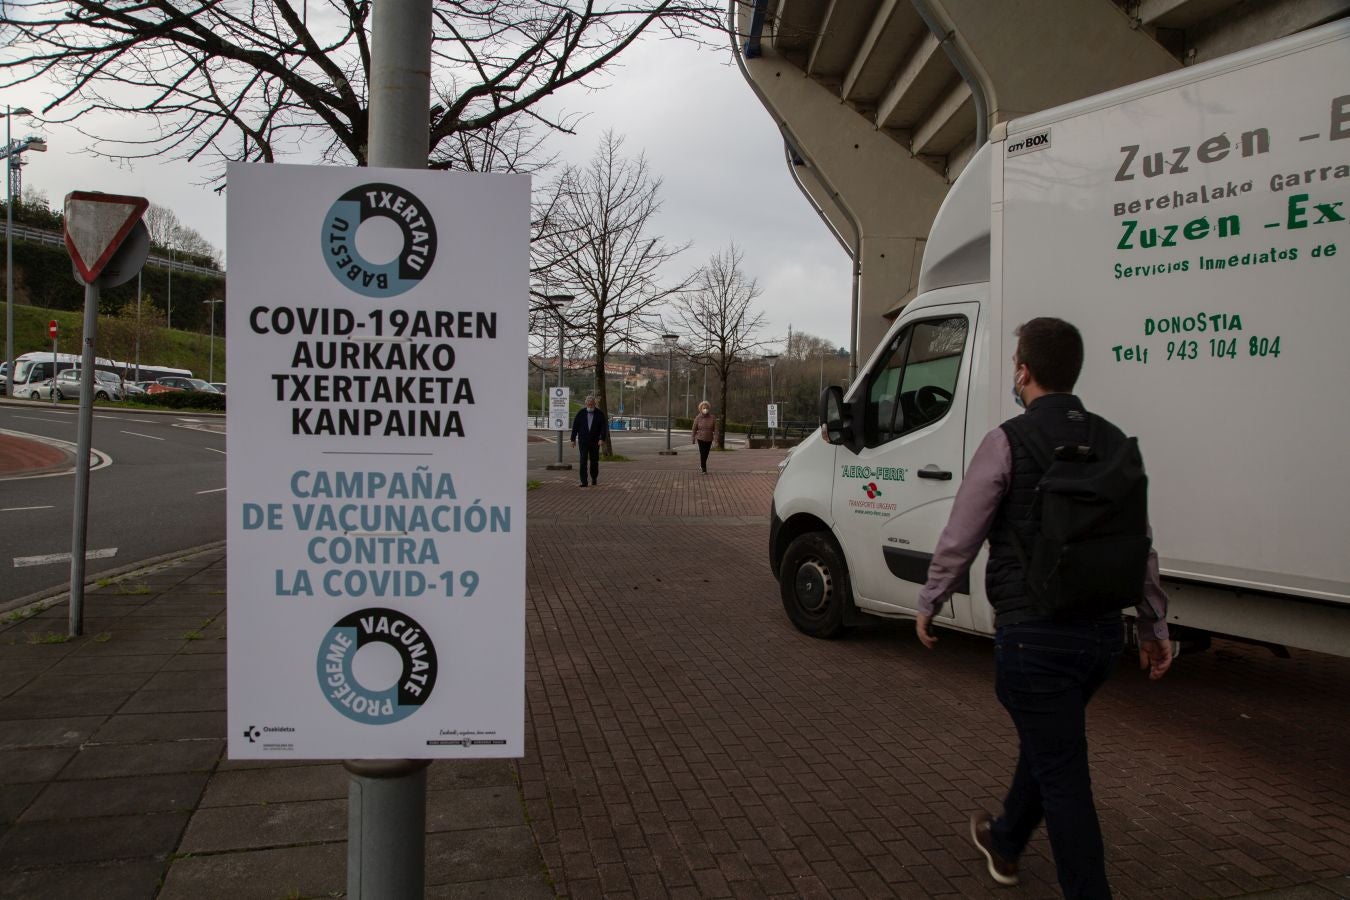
[
  {"x": 685, "y": 741},
  {"x": 682, "y": 741}
]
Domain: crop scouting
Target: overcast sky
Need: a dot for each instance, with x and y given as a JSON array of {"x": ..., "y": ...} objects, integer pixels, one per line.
[{"x": 688, "y": 109}]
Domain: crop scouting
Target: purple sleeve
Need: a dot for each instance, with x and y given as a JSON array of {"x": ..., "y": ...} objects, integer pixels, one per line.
[
  {"x": 982, "y": 489},
  {"x": 1151, "y": 615}
]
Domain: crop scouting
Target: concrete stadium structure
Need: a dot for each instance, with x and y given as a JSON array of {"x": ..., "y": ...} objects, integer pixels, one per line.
[{"x": 882, "y": 103}]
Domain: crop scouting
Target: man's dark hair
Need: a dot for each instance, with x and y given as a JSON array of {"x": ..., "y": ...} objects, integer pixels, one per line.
[{"x": 1053, "y": 350}]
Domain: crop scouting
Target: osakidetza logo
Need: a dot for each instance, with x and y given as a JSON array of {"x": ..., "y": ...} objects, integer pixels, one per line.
[
  {"x": 384, "y": 703},
  {"x": 375, "y": 204}
]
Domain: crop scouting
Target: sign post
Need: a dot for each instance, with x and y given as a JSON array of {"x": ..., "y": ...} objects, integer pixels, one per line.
[
  {"x": 773, "y": 423},
  {"x": 51, "y": 333},
  {"x": 559, "y": 405},
  {"x": 108, "y": 244}
]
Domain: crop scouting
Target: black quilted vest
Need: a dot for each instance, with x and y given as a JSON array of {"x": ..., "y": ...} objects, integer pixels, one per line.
[{"x": 1063, "y": 420}]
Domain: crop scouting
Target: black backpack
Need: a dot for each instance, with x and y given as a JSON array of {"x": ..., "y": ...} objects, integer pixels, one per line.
[{"x": 1091, "y": 548}]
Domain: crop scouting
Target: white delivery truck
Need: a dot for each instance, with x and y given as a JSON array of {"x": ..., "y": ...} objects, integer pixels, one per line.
[{"x": 1196, "y": 229}]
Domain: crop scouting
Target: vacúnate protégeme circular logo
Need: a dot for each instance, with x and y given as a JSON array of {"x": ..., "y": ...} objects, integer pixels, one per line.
[
  {"x": 390, "y": 277},
  {"x": 369, "y": 704}
]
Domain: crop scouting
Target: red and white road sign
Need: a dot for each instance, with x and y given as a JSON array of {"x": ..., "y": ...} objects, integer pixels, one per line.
[
  {"x": 96, "y": 225},
  {"x": 51, "y": 329}
]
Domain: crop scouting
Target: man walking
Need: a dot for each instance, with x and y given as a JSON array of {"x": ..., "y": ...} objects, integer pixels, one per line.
[
  {"x": 1047, "y": 665},
  {"x": 589, "y": 429}
]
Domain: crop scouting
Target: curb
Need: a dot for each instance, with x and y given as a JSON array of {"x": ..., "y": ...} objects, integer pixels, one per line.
[
  {"x": 54, "y": 595},
  {"x": 114, "y": 407}
]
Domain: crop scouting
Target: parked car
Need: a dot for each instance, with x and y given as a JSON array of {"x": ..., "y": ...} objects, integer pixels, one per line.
[
  {"x": 37, "y": 390},
  {"x": 133, "y": 388},
  {"x": 218, "y": 385},
  {"x": 175, "y": 383},
  {"x": 107, "y": 386}
]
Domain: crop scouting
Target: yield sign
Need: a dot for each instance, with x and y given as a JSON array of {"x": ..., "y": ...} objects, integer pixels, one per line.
[{"x": 96, "y": 225}]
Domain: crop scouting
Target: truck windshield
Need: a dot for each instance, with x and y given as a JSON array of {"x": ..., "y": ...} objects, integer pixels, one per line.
[{"x": 22, "y": 369}]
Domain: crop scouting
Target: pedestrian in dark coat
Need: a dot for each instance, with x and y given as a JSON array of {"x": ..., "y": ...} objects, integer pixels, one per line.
[{"x": 589, "y": 430}]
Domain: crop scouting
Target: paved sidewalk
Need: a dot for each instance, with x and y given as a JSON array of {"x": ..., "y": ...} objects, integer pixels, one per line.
[{"x": 682, "y": 741}]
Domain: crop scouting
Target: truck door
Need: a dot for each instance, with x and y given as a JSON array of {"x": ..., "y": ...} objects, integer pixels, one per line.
[{"x": 891, "y": 499}]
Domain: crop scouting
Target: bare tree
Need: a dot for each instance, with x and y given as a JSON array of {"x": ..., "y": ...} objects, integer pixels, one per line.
[
  {"x": 593, "y": 239},
  {"x": 122, "y": 336},
  {"x": 719, "y": 321},
  {"x": 163, "y": 225},
  {"x": 259, "y": 80}
]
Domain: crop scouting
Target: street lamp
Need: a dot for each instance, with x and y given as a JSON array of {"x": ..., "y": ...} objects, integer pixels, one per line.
[
  {"x": 771, "y": 357},
  {"x": 671, "y": 340},
  {"x": 211, "y": 366},
  {"x": 168, "y": 298},
  {"x": 11, "y": 157},
  {"x": 556, "y": 303}
]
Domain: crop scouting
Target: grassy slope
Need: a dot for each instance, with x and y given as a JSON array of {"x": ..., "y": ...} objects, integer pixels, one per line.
[{"x": 182, "y": 349}]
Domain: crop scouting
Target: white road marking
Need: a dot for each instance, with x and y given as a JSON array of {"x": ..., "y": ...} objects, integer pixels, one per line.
[
  {"x": 22, "y": 561},
  {"x": 212, "y": 491},
  {"x": 138, "y": 434},
  {"x": 22, "y": 508},
  {"x": 214, "y": 450},
  {"x": 36, "y": 419}
]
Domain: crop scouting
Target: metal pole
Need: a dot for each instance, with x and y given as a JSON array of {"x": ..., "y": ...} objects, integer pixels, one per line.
[
  {"x": 52, "y": 395},
  {"x": 386, "y": 828},
  {"x": 9, "y": 255},
  {"x": 138, "y": 326},
  {"x": 168, "y": 300},
  {"x": 211, "y": 355},
  {"x": 560, "y": 378},
  {"x": 670, "y": 366},
  {"x": 80, "y": 523},
  {"x": 386, "y": 799},
  {"x": 773, "y": 440}
]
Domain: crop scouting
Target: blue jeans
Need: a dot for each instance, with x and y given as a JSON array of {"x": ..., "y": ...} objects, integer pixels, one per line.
[{"x": 1046, "y": 674}]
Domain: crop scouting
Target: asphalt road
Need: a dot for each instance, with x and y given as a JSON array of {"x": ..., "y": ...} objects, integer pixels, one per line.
[{"x": 163, "y": 491}]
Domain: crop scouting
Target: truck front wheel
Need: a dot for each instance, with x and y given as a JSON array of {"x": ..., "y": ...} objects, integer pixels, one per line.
[{"x": 814, "y": 583}]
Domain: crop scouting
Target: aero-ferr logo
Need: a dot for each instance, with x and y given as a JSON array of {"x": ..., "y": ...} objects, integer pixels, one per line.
[
  {"x": 379, "y": 201},
  {"x": 871, "y": 490}
]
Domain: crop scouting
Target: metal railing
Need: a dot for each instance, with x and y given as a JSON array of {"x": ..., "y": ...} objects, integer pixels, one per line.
[{"x": 56, "y": 239}]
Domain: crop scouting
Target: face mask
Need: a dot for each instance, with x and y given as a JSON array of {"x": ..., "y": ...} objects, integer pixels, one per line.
[{"x": 1017, "y": 397}]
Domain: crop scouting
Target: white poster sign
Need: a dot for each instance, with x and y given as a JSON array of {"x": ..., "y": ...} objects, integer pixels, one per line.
[
  {"x": 377, "y": 323},
  {"x": 559, "y": 400},
  {"x": 773, "y": 415}
]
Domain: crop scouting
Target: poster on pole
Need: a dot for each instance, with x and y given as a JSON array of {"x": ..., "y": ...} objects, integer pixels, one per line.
[
  {"x": 773, "y": 415},
  {"x": 559, "y": 400},
  {"x": 376, "y": 475}
]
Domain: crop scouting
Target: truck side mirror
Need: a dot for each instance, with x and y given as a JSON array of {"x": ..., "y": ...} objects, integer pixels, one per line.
[{"x": 836, "y": 416}]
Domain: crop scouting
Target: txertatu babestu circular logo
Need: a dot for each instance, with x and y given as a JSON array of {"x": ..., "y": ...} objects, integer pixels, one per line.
[
  {"x": 377, "y": 706},
  {"x": 379, "y": 201}
]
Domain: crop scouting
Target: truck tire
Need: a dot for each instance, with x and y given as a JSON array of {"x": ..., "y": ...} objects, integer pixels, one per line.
[{"x": 813, "y": 579}]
